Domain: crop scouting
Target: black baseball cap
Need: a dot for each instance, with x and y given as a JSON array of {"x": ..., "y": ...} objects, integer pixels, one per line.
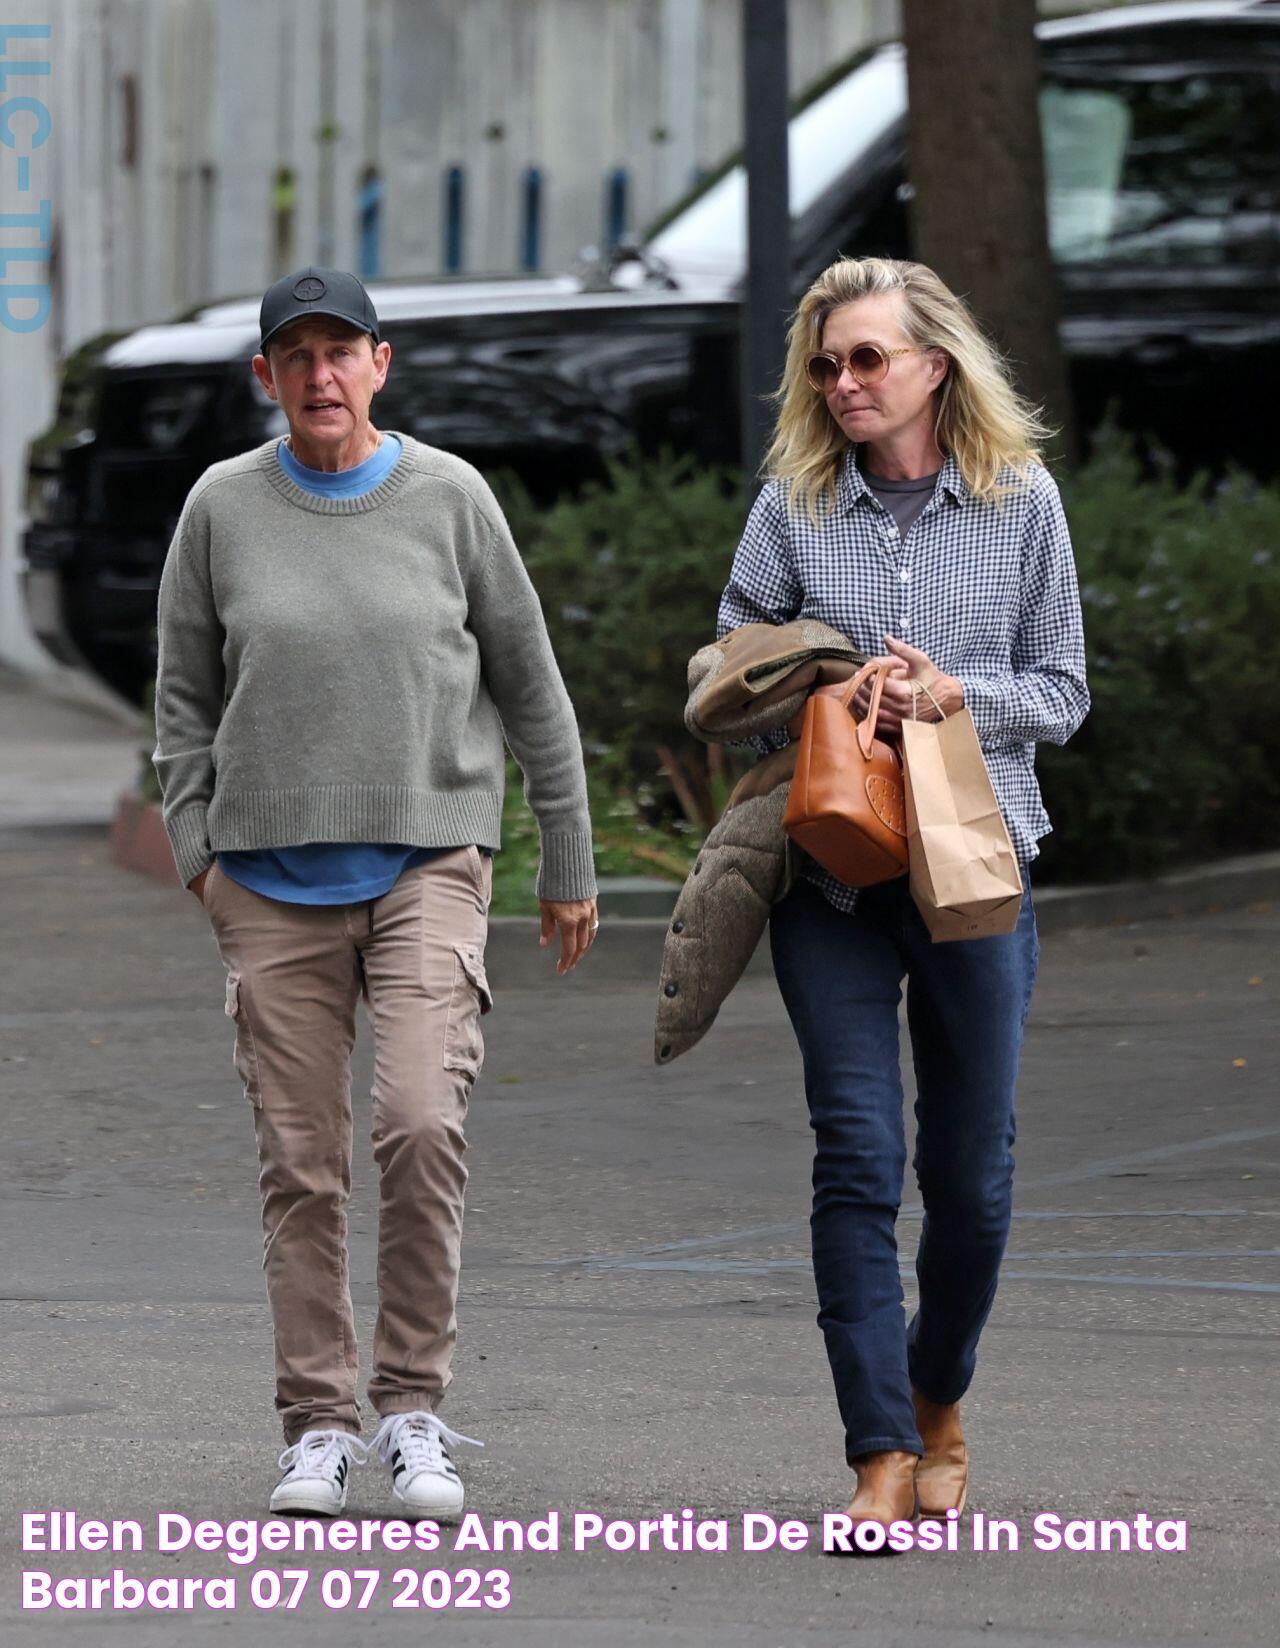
[{"x": 314, "y": 291}]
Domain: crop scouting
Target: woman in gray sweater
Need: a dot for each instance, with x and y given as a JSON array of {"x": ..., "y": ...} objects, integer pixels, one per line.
[{"x": 346, "y": 636}]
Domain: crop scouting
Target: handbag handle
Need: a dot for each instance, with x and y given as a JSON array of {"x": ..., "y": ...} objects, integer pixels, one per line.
[{"x": 867, "y": 726}]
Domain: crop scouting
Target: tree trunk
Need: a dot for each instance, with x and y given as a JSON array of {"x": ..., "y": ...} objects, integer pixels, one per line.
[{"x": 977, "y": 168}]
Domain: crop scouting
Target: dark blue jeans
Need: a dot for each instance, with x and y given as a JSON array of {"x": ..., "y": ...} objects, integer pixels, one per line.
[{"x": 841, "y": 981}]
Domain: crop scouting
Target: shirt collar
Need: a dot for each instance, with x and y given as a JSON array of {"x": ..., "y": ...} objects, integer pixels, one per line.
[{"x": 851, "y": 484}]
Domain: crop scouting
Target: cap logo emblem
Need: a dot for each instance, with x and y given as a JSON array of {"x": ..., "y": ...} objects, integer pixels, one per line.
[{"x": 309, "y": 288}]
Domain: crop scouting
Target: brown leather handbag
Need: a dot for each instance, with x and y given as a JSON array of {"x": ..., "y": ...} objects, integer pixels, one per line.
[{"x": 847, "y": 808}]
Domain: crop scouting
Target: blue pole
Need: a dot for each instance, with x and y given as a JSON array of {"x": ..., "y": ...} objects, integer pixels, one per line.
[
  {"x": 531, "y": 228},
  {"x": 454, "y": 207},
  {"x": 616, "y": 206}
]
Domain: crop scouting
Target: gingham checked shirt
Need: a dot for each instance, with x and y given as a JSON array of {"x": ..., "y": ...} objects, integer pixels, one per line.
[{"x": 988, "y": 591}]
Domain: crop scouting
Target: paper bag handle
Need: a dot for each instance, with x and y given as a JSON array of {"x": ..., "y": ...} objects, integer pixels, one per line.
[{"x": 920, "y": 686}]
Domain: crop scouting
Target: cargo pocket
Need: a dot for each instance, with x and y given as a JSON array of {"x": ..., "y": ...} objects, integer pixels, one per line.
[
  {"x": 468, "y": 999},
  {"x": 245, "y": 1055}
]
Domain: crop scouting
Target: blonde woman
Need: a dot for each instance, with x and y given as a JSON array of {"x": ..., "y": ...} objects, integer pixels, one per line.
[{"x": 907, "y": 506}]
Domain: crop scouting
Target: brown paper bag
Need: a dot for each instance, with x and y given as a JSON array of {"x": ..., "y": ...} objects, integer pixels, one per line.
[{"x": 964, "y": 874}]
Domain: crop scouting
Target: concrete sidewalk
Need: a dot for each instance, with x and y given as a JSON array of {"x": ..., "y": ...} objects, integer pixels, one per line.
[
  {"x": 637, "y": 1327},
  {"x": 67, "y": 750}
]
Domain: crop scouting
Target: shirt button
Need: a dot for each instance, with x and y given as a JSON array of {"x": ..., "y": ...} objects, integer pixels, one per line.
[{"x": 905, "y": 577}]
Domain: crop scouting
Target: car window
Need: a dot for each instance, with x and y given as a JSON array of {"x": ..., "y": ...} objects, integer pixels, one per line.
[
  {"x": 712, "y": 234},
  {"x": 1163, "y": 171},
  {"x": 872, "y": 221}
]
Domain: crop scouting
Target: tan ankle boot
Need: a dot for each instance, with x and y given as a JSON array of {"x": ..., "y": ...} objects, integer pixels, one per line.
[
  {"x": 886, "y": 1488},
  {"x": 942, "y": 1476}
]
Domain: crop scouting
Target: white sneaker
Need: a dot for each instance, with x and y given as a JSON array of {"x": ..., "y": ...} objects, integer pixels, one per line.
[
  {"x": 316, "y": 1467},
  {"x": 423, "y": 1477}
]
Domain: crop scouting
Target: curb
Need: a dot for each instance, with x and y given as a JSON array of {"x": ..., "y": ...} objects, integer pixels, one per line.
[
  {"x": 633, "y": 946},
  {"x": 1232, "y": 884},
  {"x": 139, "y": 842}
]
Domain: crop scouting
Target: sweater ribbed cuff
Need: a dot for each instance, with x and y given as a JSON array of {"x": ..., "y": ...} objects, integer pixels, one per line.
[
  {"x": 568, "y": 868},
  {"x": 188, "y": 833}
]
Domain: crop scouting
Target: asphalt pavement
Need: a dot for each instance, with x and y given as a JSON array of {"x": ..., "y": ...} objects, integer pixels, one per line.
[{"x": 637, "y": 1315}]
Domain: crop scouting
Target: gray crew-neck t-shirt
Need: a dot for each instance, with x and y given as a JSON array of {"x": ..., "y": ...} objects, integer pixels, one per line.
[{"x": 905, "y": 500}]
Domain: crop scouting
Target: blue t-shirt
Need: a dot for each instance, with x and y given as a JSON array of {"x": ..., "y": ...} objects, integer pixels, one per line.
[
  {"x": 330, "y": 872},
  {"x": 343, "y": 483}
]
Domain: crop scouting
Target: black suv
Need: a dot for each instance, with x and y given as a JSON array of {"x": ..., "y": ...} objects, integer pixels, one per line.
[{"x": 1162, "y": 146}]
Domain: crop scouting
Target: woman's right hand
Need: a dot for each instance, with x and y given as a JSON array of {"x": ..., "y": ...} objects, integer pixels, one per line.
[
  {"x": 895, "y": 700},
  {"x": 197, "y": 886},
  {"x": 796, "y": 724}
]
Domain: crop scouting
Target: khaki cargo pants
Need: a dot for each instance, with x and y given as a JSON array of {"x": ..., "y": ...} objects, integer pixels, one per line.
[{"x": 294, "y": 972}]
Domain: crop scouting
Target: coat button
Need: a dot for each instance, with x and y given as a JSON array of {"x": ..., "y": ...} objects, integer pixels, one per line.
[
  {"x": 666, "y": 1051},
  {"x": 677, "y": 926},
  {"x": 670, "y": 989}
]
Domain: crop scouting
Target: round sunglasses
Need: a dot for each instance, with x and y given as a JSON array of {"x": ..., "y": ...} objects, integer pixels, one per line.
[{"x": 868, "y": 364}]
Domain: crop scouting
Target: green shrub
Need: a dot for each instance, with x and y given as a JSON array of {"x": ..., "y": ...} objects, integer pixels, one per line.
[
  {"x": 630, "y": 575},
  {"x": 1179, "y": 760},
  {"x": 624, "y": 844}
]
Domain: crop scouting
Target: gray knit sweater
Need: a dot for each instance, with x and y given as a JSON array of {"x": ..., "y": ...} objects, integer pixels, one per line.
[{"x": 346, "y": 670}]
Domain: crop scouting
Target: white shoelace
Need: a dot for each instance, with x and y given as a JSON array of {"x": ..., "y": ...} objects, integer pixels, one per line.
[
  {"x": 317, "y": 1452},
  {"x": 418, "y": 1435}
]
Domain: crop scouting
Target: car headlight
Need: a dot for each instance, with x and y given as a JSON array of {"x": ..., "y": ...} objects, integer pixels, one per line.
[
  {"x": 44, "y": 488},
  {"x": 168, "y": 414}
]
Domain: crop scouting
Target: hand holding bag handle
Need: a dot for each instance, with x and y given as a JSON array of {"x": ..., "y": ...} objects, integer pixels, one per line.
[
  {"x": 846, "y": 807},
  {"x": 918, "y": 687},
  {"x": 871, "y": 718},
  {"x": 867, "y": 726}
]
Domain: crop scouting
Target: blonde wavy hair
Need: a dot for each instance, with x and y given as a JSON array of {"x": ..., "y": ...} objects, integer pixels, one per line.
[{"x": 981, "y": 421}]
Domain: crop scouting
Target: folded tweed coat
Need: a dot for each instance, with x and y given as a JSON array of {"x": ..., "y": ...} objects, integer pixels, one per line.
[{"x": 751, "y": 681}]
